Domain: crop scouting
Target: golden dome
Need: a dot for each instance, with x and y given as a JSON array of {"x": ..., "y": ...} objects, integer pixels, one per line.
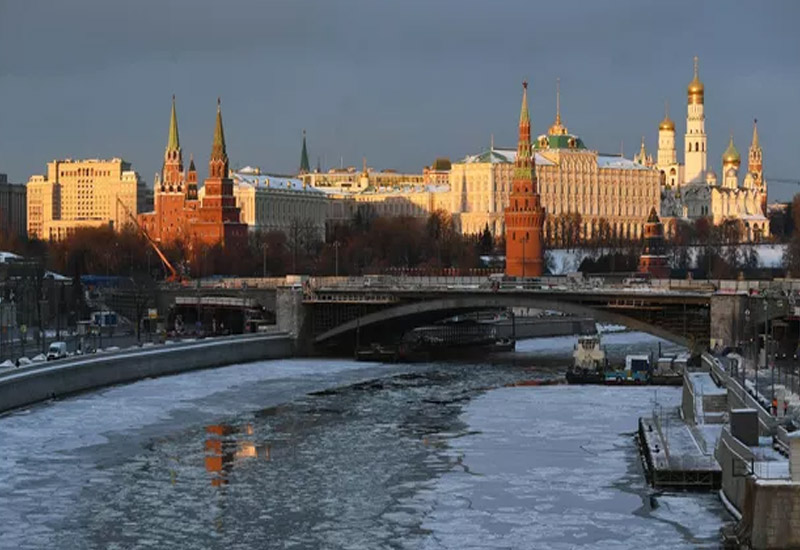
[
  {"x": 696, "y": 87},
  {"x": 667, "y": 124},
  {"x": 696, "y": 90},
  {"x": 731, "y": 154}
]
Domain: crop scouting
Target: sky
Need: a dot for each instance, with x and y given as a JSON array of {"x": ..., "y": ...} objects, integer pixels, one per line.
[{"x": 397, "y": 82}]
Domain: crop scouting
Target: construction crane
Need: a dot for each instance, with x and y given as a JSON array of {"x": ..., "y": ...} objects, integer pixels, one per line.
[{"x": 173, "y": 273}]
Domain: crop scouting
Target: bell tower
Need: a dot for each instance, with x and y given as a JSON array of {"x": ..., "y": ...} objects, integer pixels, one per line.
[{"x": 696, "y": 153}]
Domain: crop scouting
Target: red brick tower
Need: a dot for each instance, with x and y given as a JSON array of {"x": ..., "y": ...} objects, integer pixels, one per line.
[
  {"x": 755, "y": 166},
  {"x": 218, "y": 215},
  {"x": 170, "y": 223},
  {"x": 654, "y": 255},
  {"x": 524, "y": 215}
]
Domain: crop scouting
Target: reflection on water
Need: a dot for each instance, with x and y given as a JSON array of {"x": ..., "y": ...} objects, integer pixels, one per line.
[
  {"x": 224, "y": 449},
  {"x": 388, "y": 460}
]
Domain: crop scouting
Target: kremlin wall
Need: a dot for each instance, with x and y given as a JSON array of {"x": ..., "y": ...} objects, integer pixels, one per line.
[{"x": 523, "y": 194}]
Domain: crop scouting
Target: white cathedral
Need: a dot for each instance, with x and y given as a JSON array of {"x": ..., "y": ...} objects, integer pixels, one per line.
[{"x": 692, "y": 190}]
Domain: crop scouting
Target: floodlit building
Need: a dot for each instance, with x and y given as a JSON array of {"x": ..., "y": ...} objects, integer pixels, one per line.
[{"x": 82, "y": 193}]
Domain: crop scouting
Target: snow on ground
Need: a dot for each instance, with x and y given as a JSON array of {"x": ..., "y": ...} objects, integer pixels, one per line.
[{"x": 565, "y": 261}]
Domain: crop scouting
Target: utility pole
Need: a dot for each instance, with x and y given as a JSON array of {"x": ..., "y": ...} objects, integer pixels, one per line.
[{"x": 336, "y": 245}]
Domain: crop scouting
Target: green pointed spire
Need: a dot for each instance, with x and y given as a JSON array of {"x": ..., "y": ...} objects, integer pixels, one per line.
[
  {"x": 304, "y": 165},
  {"x": 173, "y": 143},
  {"x": 524, "y": 116},
  {"x": 218, "y": 149}
]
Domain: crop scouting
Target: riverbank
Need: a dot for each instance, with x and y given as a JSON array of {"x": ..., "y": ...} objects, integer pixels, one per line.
[{"x": 41, "y": 381}]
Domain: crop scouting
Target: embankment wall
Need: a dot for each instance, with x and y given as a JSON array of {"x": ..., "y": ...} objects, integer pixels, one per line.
[{"x": 39, "y": 382}]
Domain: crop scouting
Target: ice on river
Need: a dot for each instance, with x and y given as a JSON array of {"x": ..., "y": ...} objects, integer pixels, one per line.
[
  {"x": 555, "y": 467},
  {"x": 437, "y": 456}
]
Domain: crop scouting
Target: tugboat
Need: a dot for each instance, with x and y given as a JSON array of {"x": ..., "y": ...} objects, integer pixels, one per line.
[{"x": 589, "y": 361}]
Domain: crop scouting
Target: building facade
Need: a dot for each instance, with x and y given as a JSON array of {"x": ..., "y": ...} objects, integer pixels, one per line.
[
  {"x": 275, "y": 203},
  {"x": 350, "y": 180},
  {"x": 605, "y": 195},
  {"x": 82, "y": 193},
  {"x": 181, "y": 213},
  {"x": 13, "y": 208},
  {"x": 692, "y": 190}
]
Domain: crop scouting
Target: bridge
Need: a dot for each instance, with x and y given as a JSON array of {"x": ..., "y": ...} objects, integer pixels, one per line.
[{"x": 334, "y": 312}]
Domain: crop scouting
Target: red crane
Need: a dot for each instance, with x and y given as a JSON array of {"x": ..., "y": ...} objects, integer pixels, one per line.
[{"x": 173, "y": 276}]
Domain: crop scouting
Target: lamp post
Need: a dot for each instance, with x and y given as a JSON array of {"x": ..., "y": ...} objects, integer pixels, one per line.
[{"x": 336, "y": 245}]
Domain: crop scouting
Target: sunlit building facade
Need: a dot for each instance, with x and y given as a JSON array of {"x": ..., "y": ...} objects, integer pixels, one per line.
[
  {"x": 275, "y": 203},
  {"x": 611, "y": 195},
  {"x": 692, "y": 190},
  {"x": 82, "y": 193}
]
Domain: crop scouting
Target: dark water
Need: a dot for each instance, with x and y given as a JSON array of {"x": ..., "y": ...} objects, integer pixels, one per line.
[{"x": 335, "y": 454}]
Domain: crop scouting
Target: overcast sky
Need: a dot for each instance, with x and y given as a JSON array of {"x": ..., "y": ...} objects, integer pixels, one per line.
[{"x": 399, "y": 82}]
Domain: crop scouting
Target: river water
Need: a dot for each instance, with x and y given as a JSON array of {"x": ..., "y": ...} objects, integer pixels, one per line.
[{"x": 337, "y": 454}]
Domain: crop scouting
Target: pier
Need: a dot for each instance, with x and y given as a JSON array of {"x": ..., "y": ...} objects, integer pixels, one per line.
[{"x": 676, "y": 456}]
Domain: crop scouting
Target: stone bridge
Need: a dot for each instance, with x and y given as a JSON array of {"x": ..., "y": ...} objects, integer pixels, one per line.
[
  {"x": 331, "y": 315},
  {"x": 328, "y": 311}
]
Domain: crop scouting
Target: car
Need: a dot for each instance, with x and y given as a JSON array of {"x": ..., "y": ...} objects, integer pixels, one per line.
[{"x": 57, "y": 350}]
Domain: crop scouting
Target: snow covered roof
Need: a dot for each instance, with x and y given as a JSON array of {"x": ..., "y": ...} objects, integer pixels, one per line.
[
  {"x": 497, "y": 155},
  {"x": 253, "y": 178},
  {"x": 405, "y": 189},
  {"x": 618, "y": 162}
]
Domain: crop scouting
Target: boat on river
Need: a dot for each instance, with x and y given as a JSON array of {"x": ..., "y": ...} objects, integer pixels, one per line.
[{"x": 589, "y": 361}]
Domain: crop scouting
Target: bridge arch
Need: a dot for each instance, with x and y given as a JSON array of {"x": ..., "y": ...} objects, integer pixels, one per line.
[{"x": 428, "y": 311}]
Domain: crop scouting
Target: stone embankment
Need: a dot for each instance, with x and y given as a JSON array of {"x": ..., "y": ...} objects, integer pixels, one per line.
[{"x": 42, "y": 381}]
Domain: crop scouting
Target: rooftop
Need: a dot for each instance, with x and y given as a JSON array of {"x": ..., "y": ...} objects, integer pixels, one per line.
[
  {"x": 499, "y": 155},
  {"x": 252, "y": 177}
]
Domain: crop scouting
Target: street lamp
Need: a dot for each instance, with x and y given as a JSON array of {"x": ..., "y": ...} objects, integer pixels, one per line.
[{"x": 336, "y": 245}]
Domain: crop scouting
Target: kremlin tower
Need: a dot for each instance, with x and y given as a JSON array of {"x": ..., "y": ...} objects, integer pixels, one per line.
[
  {"x": 755, "y": 167},
  {"x": 654, "y": 258},
  {"x": 218, "y": 216},
  {"x": 524, "y": 216},
  {"x": 180, "y": 215}
]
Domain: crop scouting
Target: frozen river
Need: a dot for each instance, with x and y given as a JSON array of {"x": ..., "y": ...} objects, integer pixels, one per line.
[{"x": 338, "y": 454}]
